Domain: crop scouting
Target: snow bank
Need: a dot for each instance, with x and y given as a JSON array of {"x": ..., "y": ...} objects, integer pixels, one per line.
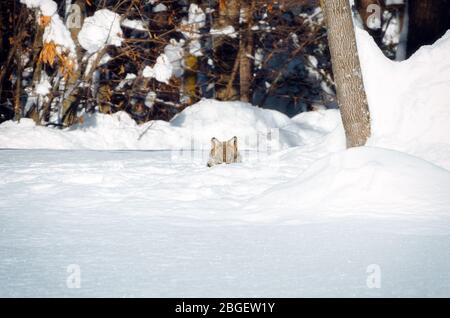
[
  {"x": 359, "y": 182},
  {"x": 409, "y": 101},
  {"x": 191, "y": 129}
]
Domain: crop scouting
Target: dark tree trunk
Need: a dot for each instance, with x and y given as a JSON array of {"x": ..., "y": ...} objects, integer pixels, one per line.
[
  {"x": 428, "y": 21},
  {"x": 246, "y": 52},
  {"x": 226, "y": 51}
]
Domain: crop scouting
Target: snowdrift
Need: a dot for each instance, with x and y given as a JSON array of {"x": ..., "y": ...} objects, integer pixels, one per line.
[
  {"x": 359, "y": 182},
  {"x": 191, "y": 129},
  {"x": 409, "y": 101}
]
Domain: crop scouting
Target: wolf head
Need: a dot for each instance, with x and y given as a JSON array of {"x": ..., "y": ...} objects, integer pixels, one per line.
[{"x": 223, "y": 152}]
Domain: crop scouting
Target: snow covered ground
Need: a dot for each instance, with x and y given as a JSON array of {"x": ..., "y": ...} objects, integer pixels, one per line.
[
  {"x": 141, "y": 223},
  {"x": 300, "y": 216}
]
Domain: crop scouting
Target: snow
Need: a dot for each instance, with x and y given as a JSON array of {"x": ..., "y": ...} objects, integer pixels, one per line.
[
  {"x": 160, "y": 7},
  {"x": 100, "y": 30},
  {"x": 382, "y": 183},
  {"x": 175, "y": 53},
  {"x": 227, "y": 30},
  {"x": 162, "y": 71},
  {"x": 43, "y": 88},
  {"x": 130, "y": 76},
  {"x": 134, "y": 24},
  {"x": 392, "y": 2},
  {"x": 196, "y": 17},
  {"x": 56, "y": 31},
  {"x": 301, "y": 216},
  {"x": 191, "y": 26},
  {"x": 191, "y": 129},
  {"x": 160, "y": 225},
  {"x": 408, "y": 101},
  {"x": 150, "y": 99},
  {"x": 47, "y": 7}
]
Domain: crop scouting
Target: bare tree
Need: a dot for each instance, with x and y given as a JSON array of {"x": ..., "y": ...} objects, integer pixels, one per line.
[{"x": 351, "y": 95}]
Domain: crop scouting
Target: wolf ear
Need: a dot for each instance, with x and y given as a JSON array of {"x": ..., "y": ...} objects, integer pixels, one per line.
[
  {"x": 233, "y": 141},
  {"x": 214, "y": 142}
]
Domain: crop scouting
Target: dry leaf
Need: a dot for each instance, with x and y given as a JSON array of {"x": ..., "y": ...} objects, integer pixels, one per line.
[
  {"x": 48, "y": 56},
  {"x": 122, "y": 69},
  {"x": 48, "y": 53},
  {"x": 222, "y": 5},
  {"x": 67, "y": 66},
  {"x": 45, "y": 20}
]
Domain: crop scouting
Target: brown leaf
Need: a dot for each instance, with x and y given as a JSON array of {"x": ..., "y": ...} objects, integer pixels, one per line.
[
  {"x": 67, "y": 66},
  {"x": 170, "y": 20},
  {"x": 48, "y": 53},
  {"x": 44, "y": 20},
  {"x": 222, "y": 5},
  {"x": 122, "y": 69}
]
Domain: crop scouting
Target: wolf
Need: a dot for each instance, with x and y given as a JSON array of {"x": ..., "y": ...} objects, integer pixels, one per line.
[{"x": 224, "y": 152}]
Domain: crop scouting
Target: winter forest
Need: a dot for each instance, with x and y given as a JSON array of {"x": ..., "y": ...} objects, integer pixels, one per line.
[
  {"x": 224, "y": 148},
  {"x": 152, "y": 59}
]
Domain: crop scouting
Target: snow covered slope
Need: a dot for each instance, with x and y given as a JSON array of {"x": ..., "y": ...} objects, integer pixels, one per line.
[
  {"x": 410, "y": 100},
  {"x": 375, "y": 182}
]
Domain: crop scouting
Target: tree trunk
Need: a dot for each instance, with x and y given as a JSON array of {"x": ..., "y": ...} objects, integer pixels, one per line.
[
  {"x": 229, "y": 92},
  {"x": 190, "y": 79},
  {"x": 226, "y": 50},
  {"x": 246, "y": 51},
  {"x": 428, "y": 21},
  {"x": 351, "y": 96},
  {"x": 189, "y": 91},
  {"x": 18, "y": 89},
  {"x": 68, "y": 110}
]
